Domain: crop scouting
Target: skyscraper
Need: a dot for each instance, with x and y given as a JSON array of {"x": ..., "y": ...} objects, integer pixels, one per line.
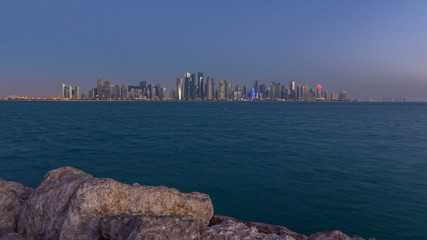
[
  {"x": 179, "y": 88},
  {"x": 228, "y": 91},
  {"x": 255, "y": 90},
  {"x": 63, "y": 90},
  {"x": 124, "y": 92},
  {"x": 343, "y": 96},
  {"x": 222, "y": 85},
  {"x": 319, "y": 91},
  {"x": 193, "y": 86},
  {"x": 99, "y": 87},
  {"x": 67, "y": 91},
  {"x": 187, "y": 85},
  {"x": 76, "y": 92},
  {"x": 143, "y": 88},
  {"x": 209, "y": 88},
  {"x": 292, "y": 90},
  {"x": 200, "y": 86}
]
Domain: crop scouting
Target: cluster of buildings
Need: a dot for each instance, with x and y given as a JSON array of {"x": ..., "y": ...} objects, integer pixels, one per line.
[
  {"x": 192, "y": 87},
  {"x": 189, "y": 87},
  {"x": 70, "y": 91},
  {"x": 108, "y": 91}
]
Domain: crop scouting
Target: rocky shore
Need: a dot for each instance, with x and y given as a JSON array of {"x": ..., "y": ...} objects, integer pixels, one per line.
[{"x": 70, "y": 204}]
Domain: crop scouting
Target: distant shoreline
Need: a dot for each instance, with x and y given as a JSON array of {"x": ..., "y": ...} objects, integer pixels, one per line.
[{"x": 171, "y": 100}]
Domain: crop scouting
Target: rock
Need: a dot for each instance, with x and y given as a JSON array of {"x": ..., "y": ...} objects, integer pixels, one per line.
[
  {"x": 13, "y": 195},
  {"x": 45, "y": 211},
  {"x": 333, "y": 235},
  {"x": 136, "y": 227},
  {"x": 70, "y": 203},
  {"x": 227, "y": 228},
  {"x": 10, "y": 236}
]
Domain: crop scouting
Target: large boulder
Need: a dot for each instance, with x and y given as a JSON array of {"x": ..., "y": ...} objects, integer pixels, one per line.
[
  {"x": 227, "y": 228},
  {"x": 137, "y": 227},
  {"x": 13, "y": 195},
  {"x": 8, "y": 235},
  {"x": 333, "y": 235},
  {"x": 45, "y": 211},
  {"x": 69, "y": 204}
]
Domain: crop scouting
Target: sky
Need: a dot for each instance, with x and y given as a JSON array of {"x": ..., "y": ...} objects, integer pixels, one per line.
[{"x": 370, "y": 48}]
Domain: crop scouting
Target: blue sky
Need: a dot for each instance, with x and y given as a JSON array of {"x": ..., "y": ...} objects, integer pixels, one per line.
[{"x": 371, "y": 48}]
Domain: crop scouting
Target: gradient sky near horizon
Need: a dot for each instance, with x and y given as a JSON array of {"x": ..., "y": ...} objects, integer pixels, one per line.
[{"x": 370, "y": 48}]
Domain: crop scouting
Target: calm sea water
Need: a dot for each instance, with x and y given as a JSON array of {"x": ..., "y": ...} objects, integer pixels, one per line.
[{"x": 357, "y": 167}]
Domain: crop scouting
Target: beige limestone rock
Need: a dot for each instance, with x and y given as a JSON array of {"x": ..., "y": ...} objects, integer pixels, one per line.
[
  {"x": 334, "y": 235},
  {"x": 137, "y": 227},
  {"x": 70, "y": 203},
  {"x": 10, "y": 236},
  {"x": 45, "y": 211},
  {"x": 13, "y": 195},
  {"x": 227, "y": 228}
]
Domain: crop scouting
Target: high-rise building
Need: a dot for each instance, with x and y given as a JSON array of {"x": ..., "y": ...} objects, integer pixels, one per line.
[
  {"x": 124, "y": 92},
  {"x": 193, "y": 86},
  {"x": 210, "y": 88},
  {"x": 106, "y": 90},
  {"x": 343, "y": 96},
  {"x": 222, "y": 85},
  {"x": 70, "y": 92},
  {"x": 99, "y": 84},
  {"x": 67, "y": 91},
  {"x": 200, "y": 86},
  {"x": 278, "y": 92},
  {"x": 335, "y": 97},
  {"x": 319, "y": 91},
  {"x": 172, "y": 94},
  {"x": 256, "y": 88},
  {"x": 179, "y": 88},
  {"x": 228, "y": 91},
  {"x": 76, "y": 92},
  {"x": 159, "y": 92},
  {"x": 272, "y": 92},
  {"x": 92, "y": 94},
  {"x": 63, "y": 90},
  {"x": 153, "y": 92},
  {"x": 143, "y": 88},
  {"x": 187, "y": 85},
  {"x": 292, "y": 90}
]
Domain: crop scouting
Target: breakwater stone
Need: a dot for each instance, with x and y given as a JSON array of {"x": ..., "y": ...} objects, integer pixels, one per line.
[{"x": 71, "y": 204}]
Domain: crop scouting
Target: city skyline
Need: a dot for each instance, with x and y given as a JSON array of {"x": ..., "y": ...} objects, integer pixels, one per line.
[
  {"x": 188, "y": 87},
  {"x": 373, "y": 49}
]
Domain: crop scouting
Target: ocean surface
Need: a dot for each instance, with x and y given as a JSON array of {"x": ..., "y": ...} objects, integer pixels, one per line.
[{"x": 357, "y": 167}]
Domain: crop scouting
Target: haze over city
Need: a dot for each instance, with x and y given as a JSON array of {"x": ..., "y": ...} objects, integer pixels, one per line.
[{"x": 370, "y": 48}]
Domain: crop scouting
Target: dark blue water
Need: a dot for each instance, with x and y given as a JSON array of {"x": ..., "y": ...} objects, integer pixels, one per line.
[{"x": 357, "y": 167}]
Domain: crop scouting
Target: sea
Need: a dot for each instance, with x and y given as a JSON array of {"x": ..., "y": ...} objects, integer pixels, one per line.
[{"x": 357, "y": 167}]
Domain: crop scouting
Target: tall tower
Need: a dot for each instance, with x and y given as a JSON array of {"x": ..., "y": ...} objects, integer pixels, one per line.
[
  {"x": 319, "y": 91},
  {"x": 63, "y": 90},
  {"x": 99, "y": 87},
  {"x": 221, "y": 89},
  {"x": 179, "y": 88},
  {"x": 200, "y": 84},
  {"x": 76, "y": 92},
  {"x": 256, "y": 88},
  {"x": 209, "y": 88},
  {"x": 272, "y": 90},
  {"x": 292, "y": 90},
  {"x": 187, "y": 85},
  {"x": 193, "y": 86}
]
